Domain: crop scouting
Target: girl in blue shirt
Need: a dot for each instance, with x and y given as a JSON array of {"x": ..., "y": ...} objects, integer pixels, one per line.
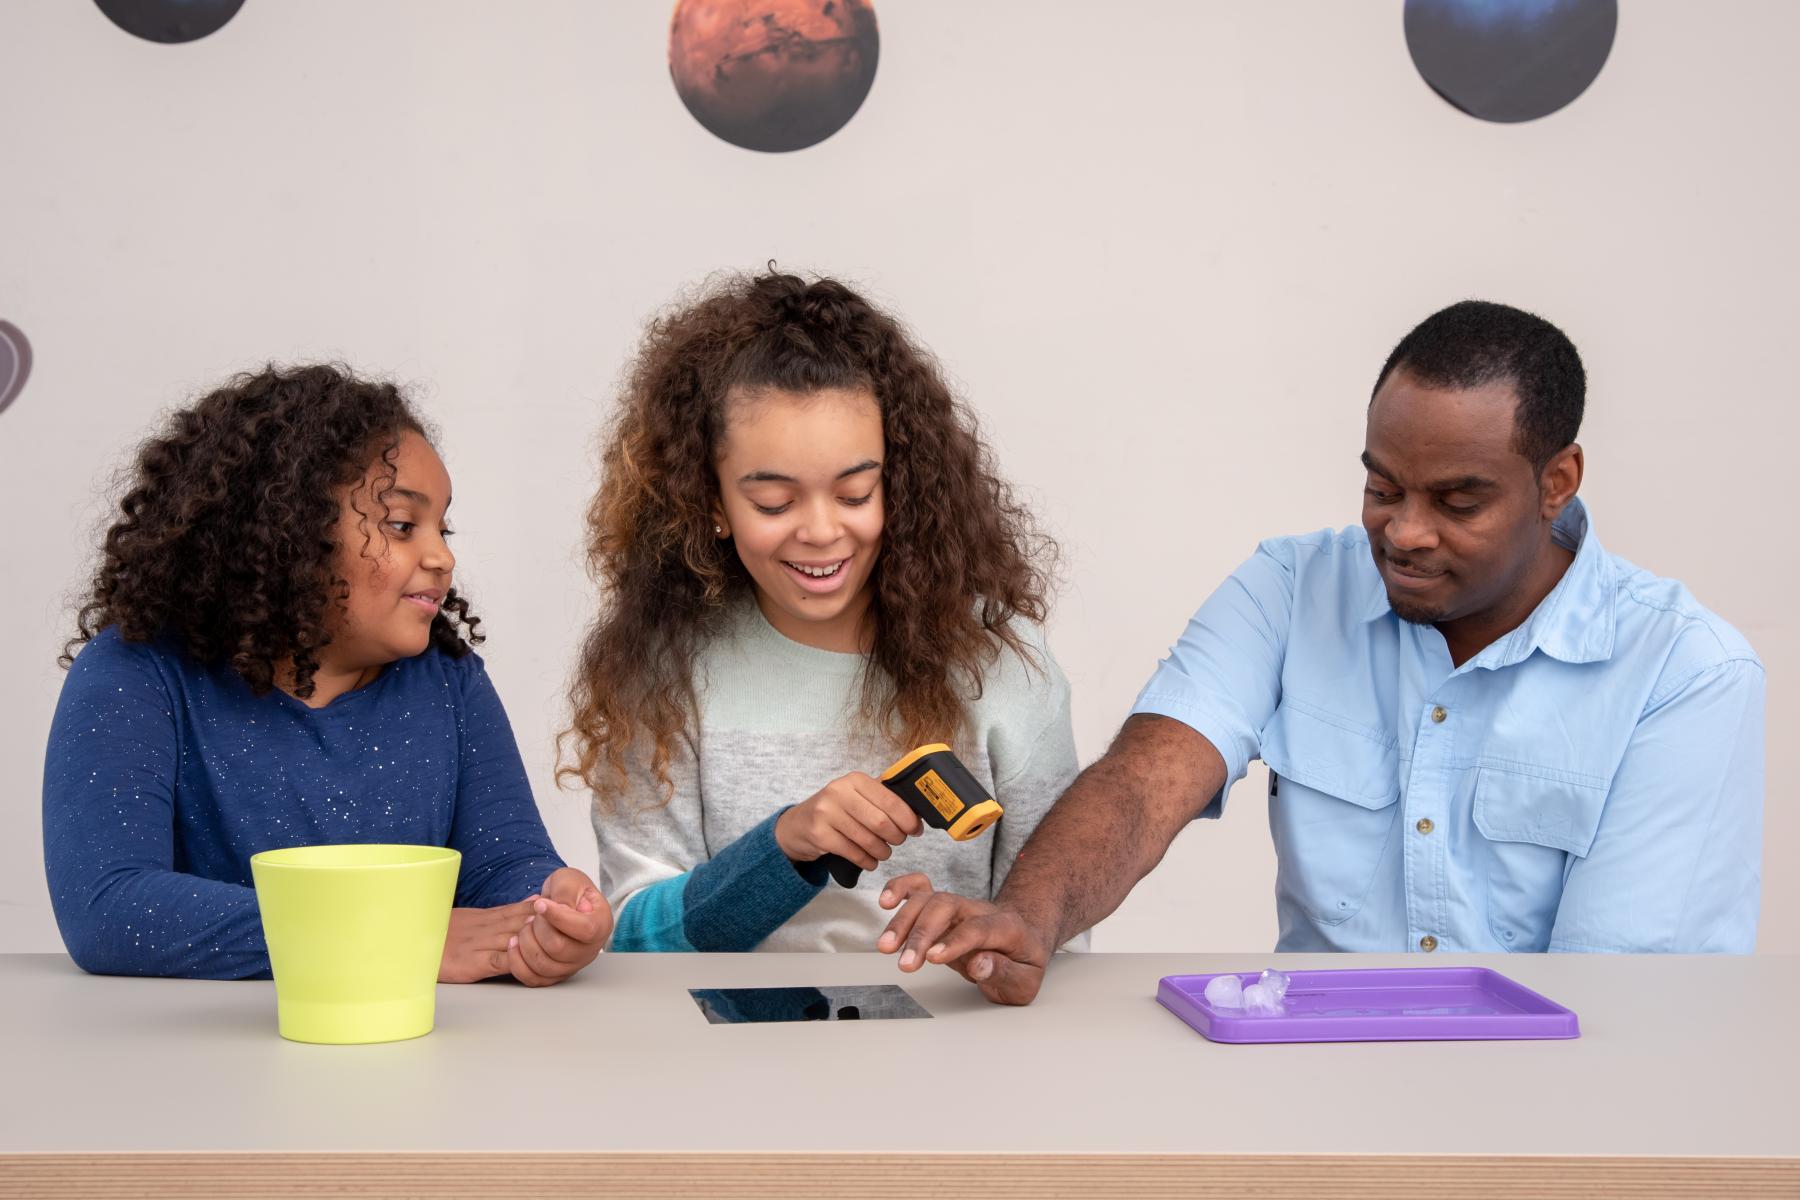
[{"x": 272, "y": 654}]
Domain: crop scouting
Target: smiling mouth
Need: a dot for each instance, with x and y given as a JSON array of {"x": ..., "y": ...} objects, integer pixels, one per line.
[
  {"x": 432, "y": 600},
  {"x": 817, "y": 570},
  {"x": 1407, "y": 574}
]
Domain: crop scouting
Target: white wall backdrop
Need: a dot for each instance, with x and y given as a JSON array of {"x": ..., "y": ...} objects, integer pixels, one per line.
[{"x": 1163, "y": 246}]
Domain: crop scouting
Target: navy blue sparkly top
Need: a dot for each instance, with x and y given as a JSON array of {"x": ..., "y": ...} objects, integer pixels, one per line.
[{"x": 163, "y": 777}]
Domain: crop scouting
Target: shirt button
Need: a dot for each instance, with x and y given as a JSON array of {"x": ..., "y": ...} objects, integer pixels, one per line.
[
  {"x": 1428, "y": 943},
  {"x": 1438, "y": 714},
  {"x": 1425, "y": 825}
]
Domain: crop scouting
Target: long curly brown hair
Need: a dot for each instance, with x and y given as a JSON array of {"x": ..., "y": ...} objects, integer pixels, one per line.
[
  {"x": 225, "y": 537},
  {"x": 962, "y": 558}
]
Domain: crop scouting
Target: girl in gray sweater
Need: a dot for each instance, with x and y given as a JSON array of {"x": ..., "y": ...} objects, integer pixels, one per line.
[{"x": 809, "y": 566}]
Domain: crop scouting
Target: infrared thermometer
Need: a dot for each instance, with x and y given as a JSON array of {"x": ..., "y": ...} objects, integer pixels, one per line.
[{"x": 944, "y": 794}]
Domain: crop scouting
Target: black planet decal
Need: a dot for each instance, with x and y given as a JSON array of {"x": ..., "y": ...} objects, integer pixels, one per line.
[
  {"x": 773, "y": 75},
  {"x": 170, "y": 21},
  {"x": 1510, "y": 60},
  {"x": 15, "y": 363}
]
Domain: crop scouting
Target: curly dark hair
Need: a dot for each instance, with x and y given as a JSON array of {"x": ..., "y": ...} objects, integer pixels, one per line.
[
  {"x": 226, "y": 531},
  {"x": 963, "y": 558}
]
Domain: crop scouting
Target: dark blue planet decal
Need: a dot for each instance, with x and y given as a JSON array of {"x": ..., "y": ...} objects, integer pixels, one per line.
[
  {"x": 15, "y": 363},
  {"x": 1510, "y": 60},
  {"x": 170, "y": 21}
]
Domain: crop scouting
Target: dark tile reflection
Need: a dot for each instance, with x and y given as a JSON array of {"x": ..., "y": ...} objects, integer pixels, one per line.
[{"x": 874, "y": 1002}]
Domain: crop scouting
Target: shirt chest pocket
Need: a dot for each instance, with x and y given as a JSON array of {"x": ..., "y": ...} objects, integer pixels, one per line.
[
  {"x": 1532, "y": 827},
  {"x": 1332, "y": 812}
]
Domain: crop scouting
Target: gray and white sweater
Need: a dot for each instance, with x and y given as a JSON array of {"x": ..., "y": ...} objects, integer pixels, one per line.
[{"x": 777, "y": 721}]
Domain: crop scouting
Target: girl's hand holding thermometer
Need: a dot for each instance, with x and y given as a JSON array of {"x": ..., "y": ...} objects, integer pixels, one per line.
[
  {"x": 852, "y": 823},
  {"x": 854, "y": 819}
]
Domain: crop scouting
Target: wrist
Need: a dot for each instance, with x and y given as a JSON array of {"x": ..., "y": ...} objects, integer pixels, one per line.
[
  {"x": 785, "y": 840},
  {"x": 1041, "y": 920}
]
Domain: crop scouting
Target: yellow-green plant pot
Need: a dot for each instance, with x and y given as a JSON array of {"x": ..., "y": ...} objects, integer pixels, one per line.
[{"x": 356, "y": 934}]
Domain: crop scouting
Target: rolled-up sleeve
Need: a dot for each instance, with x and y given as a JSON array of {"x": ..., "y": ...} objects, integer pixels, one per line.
[
  {"x": 1676, "y": 864},
  {"x": 1223, "y": 678}
]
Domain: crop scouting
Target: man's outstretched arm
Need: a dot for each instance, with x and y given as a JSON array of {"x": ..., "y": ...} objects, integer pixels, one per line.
[
  {"x": 1194, "y": 728},
  {"x": 1108, "y": 831}
]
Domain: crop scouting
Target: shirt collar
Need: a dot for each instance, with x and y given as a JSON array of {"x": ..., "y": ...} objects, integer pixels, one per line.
[
  {"x": 1574, "y": 623},
  {"x": 1375, "y": 600}
]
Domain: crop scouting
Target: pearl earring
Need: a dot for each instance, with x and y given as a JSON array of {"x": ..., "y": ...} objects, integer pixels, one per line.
[{"x": 719, "y": 529}]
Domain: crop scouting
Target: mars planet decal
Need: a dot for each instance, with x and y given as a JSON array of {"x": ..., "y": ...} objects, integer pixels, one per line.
[
  {"x": 1510, "y": 60},
  {"x": 773, "y": 75},
  {"x": 15, "y": 363},
  {"x": 170, "y": 21}
]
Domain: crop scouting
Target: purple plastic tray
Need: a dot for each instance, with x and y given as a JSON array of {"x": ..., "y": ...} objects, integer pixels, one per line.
[{"x": 1395, "y": 1004}]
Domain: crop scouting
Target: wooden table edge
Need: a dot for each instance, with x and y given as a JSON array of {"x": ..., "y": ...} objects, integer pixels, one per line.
[{"x": 783, "y": 1174}]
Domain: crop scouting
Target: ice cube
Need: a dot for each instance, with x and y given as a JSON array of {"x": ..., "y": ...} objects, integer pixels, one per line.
[
  {"x": 1261, "y": 1000},
  {"x": 1276, "y": 982},
  {"x": 1225, "y": 991}
]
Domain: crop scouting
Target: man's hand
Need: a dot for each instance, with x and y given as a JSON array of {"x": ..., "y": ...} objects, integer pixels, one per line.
[
  {"x": 991, "y": 947},
  {"x": 475, "y": 947},
  {"x": 1073, "y": 872},
  {"x": 564, "y": 931}
]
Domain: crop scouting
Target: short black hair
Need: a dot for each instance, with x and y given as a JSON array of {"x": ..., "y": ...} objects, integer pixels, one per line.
[{"x": 1476, "y": 342}]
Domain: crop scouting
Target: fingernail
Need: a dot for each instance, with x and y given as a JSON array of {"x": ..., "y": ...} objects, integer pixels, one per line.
[
  {"x": 887, "y": 898},
  {"x": 887, "y": 941},
  {"x": 511, "y": 942},
  {"x": 936, "y": 952},
  {"x": 542, "y": 906},
  {"x": 531, "y": 918},
  {"x": 984, "y": 966},
  {"x": 907, "y": 959}
]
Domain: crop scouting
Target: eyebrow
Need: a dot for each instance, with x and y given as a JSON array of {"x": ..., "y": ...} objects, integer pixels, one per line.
[
  {"x": 1463, "y": 483},
  {"x": 867, "y": 464},
  {"x": 1468, "y": 483},
  {"x": 409, "y": 494}
]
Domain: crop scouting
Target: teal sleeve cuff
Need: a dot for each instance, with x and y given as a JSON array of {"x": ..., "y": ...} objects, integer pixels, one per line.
[
  {"x": 729, "y": 903},
  {"x": 746, "y": 892},
  {"x": 651, "y": 920}
]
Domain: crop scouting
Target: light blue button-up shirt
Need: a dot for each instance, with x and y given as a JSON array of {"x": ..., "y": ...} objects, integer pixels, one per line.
[{"x": 1593, "y": 780}]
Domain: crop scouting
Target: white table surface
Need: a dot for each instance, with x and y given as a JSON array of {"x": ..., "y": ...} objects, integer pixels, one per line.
[{"x": 621, "y": 1060}]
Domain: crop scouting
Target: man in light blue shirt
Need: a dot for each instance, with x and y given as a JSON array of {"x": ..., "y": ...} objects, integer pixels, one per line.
[{"x": 1483, "y": 731}]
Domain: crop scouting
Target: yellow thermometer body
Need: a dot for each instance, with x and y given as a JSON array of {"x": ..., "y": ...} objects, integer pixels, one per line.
[{"x": 945, "y": 794}]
